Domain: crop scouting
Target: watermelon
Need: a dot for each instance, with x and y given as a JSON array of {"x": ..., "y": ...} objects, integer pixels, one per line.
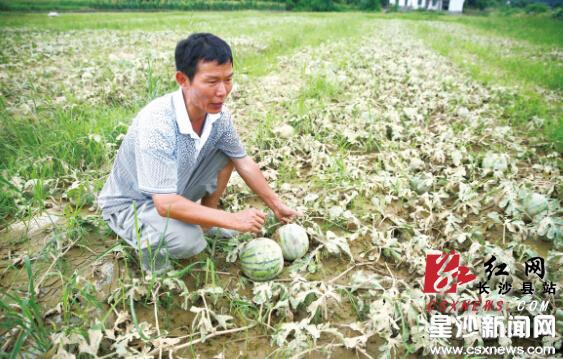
[
  {"x": 422, "y": 183},
  {"x": 285, "y": 131},
  {"x": 495, "y": 162},
  {"x": 533, "y": 203},
  {"x": 293, "y": 241},
  {"x": 261, "y": 259}
]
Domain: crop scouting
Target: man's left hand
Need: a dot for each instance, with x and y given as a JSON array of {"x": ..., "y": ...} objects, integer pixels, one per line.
[
  {"x": 254, "y": 178},
  {"x": 284, "y": 213}
]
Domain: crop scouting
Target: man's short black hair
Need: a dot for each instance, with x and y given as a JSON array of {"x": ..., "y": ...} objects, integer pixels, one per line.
[{"x": 201, "y": 46}]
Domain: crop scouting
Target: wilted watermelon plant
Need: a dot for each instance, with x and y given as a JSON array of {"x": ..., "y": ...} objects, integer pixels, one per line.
[{"x": 389, "y": 150}]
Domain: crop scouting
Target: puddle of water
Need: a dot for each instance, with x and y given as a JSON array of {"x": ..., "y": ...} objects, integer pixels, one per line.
[
  {"x": 80, "y": 258},
  {"x": 32, "y": 228}
]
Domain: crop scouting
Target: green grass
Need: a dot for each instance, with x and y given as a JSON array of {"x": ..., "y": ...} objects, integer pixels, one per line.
[
  {"x": 24, "y": 314},
  {"x": 296, "y": 36},
  {"x": 89, "y": 5},
  {"x": 56, "y": 150},
  {"x": 536, "y": 29},
  {"x": 146, "y": 21}
]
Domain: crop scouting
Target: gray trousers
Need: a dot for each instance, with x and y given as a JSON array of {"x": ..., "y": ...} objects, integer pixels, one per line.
[{"x": 163, "y": 237}]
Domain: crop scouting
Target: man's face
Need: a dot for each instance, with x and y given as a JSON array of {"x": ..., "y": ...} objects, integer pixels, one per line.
[{"x": 209, "y": 88}]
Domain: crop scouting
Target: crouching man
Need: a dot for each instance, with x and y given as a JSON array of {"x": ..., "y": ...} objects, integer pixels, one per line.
[{"x": 180, "y": 150}]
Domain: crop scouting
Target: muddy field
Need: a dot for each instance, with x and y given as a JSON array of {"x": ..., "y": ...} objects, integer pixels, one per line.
[{"x": 390, "y": 150}]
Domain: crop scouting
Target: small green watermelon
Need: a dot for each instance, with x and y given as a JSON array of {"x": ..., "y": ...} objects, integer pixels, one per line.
[
  {"x": 261, "y": 259},
  {"x": 293, "y": 241}
]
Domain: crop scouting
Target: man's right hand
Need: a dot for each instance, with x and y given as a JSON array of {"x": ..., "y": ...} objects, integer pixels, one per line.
[{"x": 249, "y": 220}]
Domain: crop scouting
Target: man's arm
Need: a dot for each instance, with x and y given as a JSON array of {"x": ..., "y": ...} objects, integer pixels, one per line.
[
  {"x": 252, "y": 175},
  {"x": 180, "y": 208}
]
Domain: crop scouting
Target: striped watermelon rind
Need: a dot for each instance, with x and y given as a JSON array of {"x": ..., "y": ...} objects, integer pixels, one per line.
[
  {"x": 261, "y": 259},
  {"x": 293, "y": 241}
]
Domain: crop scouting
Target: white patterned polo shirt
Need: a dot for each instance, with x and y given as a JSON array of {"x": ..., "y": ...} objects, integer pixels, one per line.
[{"x": 161, "y": 150}]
